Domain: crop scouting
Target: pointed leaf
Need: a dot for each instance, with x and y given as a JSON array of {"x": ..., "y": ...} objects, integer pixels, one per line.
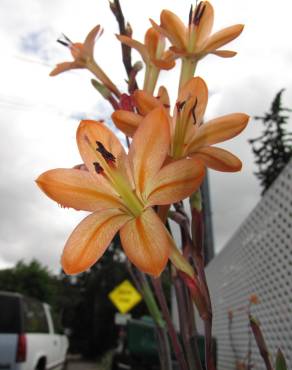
[
  {"x": 280, "y": 361},
  {"x": 78, "y": 189},
  {"x": 146, "y": 243},
  {"x": 176, "y": 181},
  {"x": 90, "y": 239}
]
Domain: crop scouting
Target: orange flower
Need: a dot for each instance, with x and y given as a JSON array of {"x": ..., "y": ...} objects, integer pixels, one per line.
[
  {"x": 189, "y": 136},
  {"x": 83, "y": 58},
  {"x": 128, "y": 121},
  {"x": 153, "y": 49},
  {"x": 120, "y": 190},
  {"x": 154, "y": 55},
  {"x": 254, "y": 299},
  {"x": 195, "y": 41}
]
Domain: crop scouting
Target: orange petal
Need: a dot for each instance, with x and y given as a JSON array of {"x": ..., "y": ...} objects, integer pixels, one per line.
[
  {"x": 221, "y": 38},
  {"x": 149, "y": 148},
  {"x": 88, "y": 44},
  {"x": 141, "y": 48},
  {"x": 163, "y": 64},
  {"x": 163, "y": 96},
  {"x": 196, "y": 89},
  {"x": 175, "y": 182},
  {"x": 88, "y": 133},
  {"x": 63, "y": 67},
  {"x": 218, "y": 130},
  {"x": 173, "y": 28},
  {"x": 206, "y": 23},
  {"x": 224, "y": 53},
  {"x": 218, "y": 159},
  {"x": 145, "y": 102},
  {"x": 146, "y": 243},
  {"x": 77, "y": 189},
  {"x": 154, "y": 42},
  {"x": 126, "y": 121},
  {"x": 90, "y": 239}
]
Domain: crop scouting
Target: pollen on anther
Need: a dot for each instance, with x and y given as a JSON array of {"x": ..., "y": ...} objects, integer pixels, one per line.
[
  {"x": 108, "y": 156},
  {"x": 97, "y": 167},
  {"x": 191, "y": 15},
  {"x": 194, "y": 111},
  {"x": 180, "y": 105},
  {"x": 64, "y": 40},
  {"x": 199, "y": 13}
]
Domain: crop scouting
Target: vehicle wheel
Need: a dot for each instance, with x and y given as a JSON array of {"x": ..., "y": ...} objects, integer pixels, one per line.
[{"x": 41, "y": 364}]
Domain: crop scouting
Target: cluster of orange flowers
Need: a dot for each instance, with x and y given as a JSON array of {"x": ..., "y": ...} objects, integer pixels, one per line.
[{"x": 168, "y": 152}]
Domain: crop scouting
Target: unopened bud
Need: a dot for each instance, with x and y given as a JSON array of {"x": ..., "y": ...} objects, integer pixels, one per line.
[
  {"x": 103, "y": 90},
  {"x": 113, "y": 6},
  {"x": 129, "y": 30}
]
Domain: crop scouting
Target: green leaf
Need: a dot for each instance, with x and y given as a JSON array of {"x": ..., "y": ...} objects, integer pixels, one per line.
[{"x": 280, "y": 361}]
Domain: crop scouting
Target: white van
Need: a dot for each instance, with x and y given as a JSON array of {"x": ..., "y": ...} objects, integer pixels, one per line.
[{"x": 29, "y": 337}]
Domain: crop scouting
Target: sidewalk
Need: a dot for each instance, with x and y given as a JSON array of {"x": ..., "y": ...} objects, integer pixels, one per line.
[{"x": 75, "y": 362}]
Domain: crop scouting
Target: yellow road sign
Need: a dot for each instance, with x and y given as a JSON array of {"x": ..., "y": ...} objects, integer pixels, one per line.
[{"x": 125, "y": 296}]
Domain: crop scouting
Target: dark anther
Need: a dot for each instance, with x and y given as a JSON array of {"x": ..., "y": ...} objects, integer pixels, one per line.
[
  {"x": 180, "y": 105},
  {"x": 199, "y": 13},
  {"x": 64, "y": 41},
  {"x": 108, "y": 156},
  {"x": 190, "y": 15},
  {"x": 167, "y": 106},
  {"x": 97, "y": 167},
  {"x": 194, "y": 111}
]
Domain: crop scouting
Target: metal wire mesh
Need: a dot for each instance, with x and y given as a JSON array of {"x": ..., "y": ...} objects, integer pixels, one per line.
[{"x": 257, "y": 260}]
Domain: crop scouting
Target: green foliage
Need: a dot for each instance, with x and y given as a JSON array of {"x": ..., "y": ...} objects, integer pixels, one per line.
[
  {"x": 280, "y": 361},
  {"x": 272, "y": 149},
  {"x": 31, "y": 279}
]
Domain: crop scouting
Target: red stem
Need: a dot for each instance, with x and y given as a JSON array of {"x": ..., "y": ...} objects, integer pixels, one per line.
[{"x": 171, "y": 330}]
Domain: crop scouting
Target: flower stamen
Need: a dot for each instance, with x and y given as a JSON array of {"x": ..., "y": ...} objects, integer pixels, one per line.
[
  {"x": 65, "y": 41},
  {"x": 199, "y": 13},
  {"x": 191, "y": 15},
  {"x": 98, "y": 168},
  {"x": 193, "y": 110},
  {"x": 108, "y": 156}
]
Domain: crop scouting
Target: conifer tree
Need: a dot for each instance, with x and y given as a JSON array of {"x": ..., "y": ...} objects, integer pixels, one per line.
[{"x": 273, "y": 148}]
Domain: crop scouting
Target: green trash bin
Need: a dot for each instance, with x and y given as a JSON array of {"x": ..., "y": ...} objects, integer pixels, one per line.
[{"x": 141, "y": 339}]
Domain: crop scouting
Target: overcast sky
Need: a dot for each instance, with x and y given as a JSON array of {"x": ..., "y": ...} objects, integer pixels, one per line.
[{"x": 39, "y": 114}]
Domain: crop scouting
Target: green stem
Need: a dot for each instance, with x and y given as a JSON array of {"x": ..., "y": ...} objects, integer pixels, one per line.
[
  {"x": 188, "y": 68},
  {"x": 151, "y": 303},
  {"x": 93, "y": 67},
  {"x": 150, "y": 80},
  {"x": 164, "y": 353}
]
